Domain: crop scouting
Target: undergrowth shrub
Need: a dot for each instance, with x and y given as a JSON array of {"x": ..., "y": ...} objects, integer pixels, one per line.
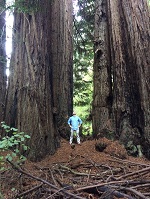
[{"x": 11, "y": 144}]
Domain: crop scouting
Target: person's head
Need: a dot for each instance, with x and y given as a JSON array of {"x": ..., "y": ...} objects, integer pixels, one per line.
[{"x": 74, "y": 113}]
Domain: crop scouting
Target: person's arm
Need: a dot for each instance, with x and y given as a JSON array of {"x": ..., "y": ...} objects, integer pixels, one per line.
[
  {"x": 69, "y": 122},
  {"x": 80, "y": 122}
]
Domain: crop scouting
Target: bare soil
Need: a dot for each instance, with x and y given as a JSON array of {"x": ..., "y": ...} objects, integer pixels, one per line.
[{"x": 80, "y": 171}]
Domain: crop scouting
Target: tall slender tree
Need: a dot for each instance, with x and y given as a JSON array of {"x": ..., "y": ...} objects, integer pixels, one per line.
[
  {"x": 42, "y": 47},
  {"x": 128, "y": 60},
  {"x": 2, "y": 59}
]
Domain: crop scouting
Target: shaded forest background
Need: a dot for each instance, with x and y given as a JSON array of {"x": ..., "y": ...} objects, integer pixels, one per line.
[{"x": 96, "y": 60}]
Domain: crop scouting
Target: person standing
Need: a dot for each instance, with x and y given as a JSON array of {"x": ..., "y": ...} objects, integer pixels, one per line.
[{"x": 74, "y": 122}]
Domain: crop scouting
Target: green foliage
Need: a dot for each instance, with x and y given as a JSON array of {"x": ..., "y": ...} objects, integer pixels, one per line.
[
  {"x": 12, "y": 142},
  {"x": 27, "y": 6},
  {"x": 83, "y": 60},
  {"x": 83, "y": 113},
  {"x": 24, "y": 6},
  {"x": 134, "y": 150}
]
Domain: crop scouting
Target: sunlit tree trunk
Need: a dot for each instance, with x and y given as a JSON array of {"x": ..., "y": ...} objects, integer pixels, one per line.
[
  {"x": 129, "y": 46},
  {"x": 2, "y": 59},
  {"x": 30, "y": 102}
]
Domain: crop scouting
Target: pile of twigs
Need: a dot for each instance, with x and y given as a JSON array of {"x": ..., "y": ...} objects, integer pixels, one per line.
[{"x": 82, "y": 178}]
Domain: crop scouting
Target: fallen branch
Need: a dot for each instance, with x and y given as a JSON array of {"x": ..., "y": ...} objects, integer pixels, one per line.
[
  {"x": 116, "y": 192},
  {"x": 141, "y": 185},
  {"x": 28, "y": 191},
  {"x": 74, "y": 172},
  {"x": 147, "y": 194},
  {"x": 137, "y": 193},
  {"x": 121, "y": 182},
  {"x": 109, "y": 191},
  {"x": 52, "y": 176},
  {"x": 133, "y": 173},
  {"x": 128, "y": 161}
]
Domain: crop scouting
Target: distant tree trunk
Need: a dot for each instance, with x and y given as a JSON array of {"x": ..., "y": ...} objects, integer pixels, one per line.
[
  {"x": 31, "y": 90},
  {"x": 2, "y": 59},
  {"x": 129, "y": 32},
  {"x": 61, "y": 58}
]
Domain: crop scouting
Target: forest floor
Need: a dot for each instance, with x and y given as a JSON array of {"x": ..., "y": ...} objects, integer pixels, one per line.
[{"x": 80, "y": 171}]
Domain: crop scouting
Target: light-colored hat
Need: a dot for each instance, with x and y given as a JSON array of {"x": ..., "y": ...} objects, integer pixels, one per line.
[{"x": 74, "y": 113}]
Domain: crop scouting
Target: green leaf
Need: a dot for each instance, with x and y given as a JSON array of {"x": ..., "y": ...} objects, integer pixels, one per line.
[
  {"x": 27, "y": 136},
  {"x": 3, "y": 144},
  {"x": 7, "y": 130},
  {"x": 2, "y": 168},
  {"x": 14, "y": 129},
  {"x": 9, "y": 157},
  {"x": 14, "y": 154},
  {"x": 13, "y": 189},
  {"x": 1, "y": 158},
  {"x": 22, "y": 139},
  {"x": 16, "y": 135},
  {"x": 10, "y": 144},
  {"x": 16, "y": 142},
  {"x": 22, "y": 158},
  {"x": 17, "y": 151},
  {"x": 21, "y": 133},
  {"x": 25, "y": 148}
]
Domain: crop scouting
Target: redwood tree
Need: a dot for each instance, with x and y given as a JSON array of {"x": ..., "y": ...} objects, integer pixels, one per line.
[
  {"x": 127, "y": 62},
  {"x": 42, "y": 46},
  {"x": 61, "y": 53},
  {"x": 102, "y": 74},
  {"x": 2, "y": 59}
]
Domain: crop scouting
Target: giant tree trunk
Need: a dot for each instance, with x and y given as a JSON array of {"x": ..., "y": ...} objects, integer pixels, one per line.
[
  {"x": 102, "y": 85},
  {"x": 131, "y": 61},
  {"x": 129, "y": 47},
  {"x": 61, "y": 57},
  {"x": 2, "y": 60},
  {"x": 30, "y": 93}
]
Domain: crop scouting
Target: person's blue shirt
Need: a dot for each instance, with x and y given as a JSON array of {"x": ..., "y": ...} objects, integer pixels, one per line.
[{"x": 74, "y": 122}]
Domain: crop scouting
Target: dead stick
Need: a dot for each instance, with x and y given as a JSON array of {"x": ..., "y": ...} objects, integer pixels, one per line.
[
  {"x": 141, "y": 185},
  {"x": 121, "y": 182},
  {"x": 133, "y": 173},
  {"x": 111, "y": 191},
  {"x": 128, "y": 161},
  {"x": 74, "y": 172},
  {"x": 78, "y": 173},
  {"x": 147, "y": 194},
  {"x": 53, "y": 178},
  {"x": 28, "y": 191},
  {"x": 137, "y": 193},
  {"x": 99, "y": 185}
]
